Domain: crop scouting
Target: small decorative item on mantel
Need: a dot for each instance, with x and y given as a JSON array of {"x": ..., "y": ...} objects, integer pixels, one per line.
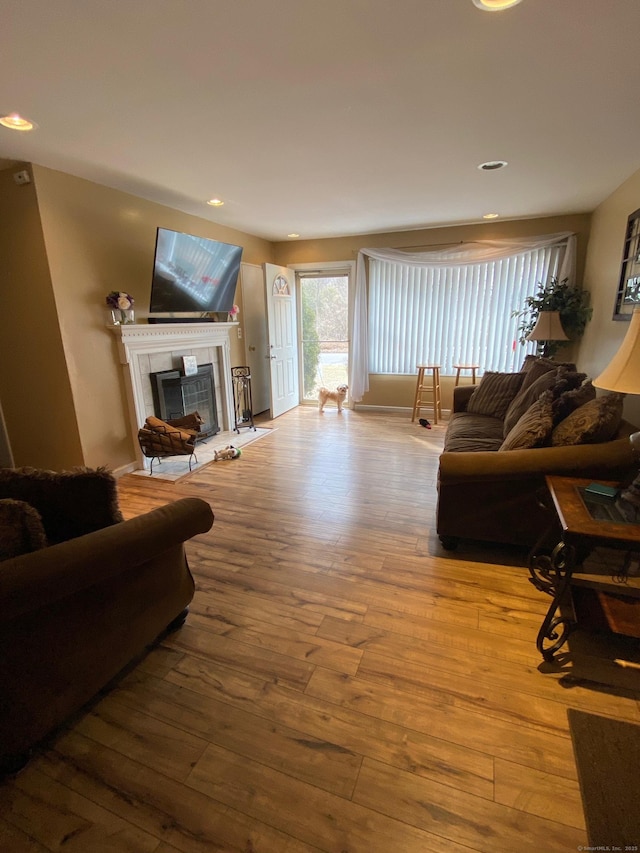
[
  {"x": 233, "y": 314},
  {"x": 120, "y": 305}
]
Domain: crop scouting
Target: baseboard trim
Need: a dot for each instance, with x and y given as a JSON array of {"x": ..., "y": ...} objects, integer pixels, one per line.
[
  {"x": 125, "y": 469},
  {"x": 407, "y": 409}
]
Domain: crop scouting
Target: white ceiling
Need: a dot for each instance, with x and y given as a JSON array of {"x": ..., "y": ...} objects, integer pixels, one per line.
[{"x": 332, "y": 117}]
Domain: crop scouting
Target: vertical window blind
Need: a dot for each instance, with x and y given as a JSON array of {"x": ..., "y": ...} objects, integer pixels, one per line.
[{"x": 447, "y": 315}]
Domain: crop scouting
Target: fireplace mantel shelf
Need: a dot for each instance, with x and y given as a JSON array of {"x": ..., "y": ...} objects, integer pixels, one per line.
[{"x": 168, "y": 330}]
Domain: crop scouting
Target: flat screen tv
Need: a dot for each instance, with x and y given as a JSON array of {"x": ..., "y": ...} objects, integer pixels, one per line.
[{"x": 193, "y": 275}]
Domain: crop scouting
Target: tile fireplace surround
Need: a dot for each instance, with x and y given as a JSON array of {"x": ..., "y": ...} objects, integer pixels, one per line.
[{"x": 146, "y": 349}]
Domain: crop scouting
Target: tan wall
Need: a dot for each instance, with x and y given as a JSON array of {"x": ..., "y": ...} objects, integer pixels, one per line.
[
  {"x": 66, "y": 242},
  {"x": 99, "y": 239},
  {"x": 604, "y": 335},
  {"x": 400, "y": 390},
  {"x": 35, "y": 391}
]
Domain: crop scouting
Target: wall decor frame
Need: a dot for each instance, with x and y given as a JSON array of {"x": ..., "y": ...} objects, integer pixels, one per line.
[{"x": 628, "y": 295}]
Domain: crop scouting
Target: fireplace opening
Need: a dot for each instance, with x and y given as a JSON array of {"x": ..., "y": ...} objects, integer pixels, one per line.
[{"x": 176, "y": 394}]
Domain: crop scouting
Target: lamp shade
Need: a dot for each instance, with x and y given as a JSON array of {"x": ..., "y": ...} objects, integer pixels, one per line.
[
  {"x": 623, "y": 372},
  {"x": 547, "y": 328}
]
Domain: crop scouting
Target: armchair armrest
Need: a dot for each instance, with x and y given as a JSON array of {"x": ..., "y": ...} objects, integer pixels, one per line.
[
  {"x": 461, "y": 396},
  {"x": 34, "y": 580}
]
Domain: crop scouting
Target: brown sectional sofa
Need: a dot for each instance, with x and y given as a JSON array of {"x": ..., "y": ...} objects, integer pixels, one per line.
[
  {"x": 87, "y": 595},
  {"x": 499, "y": 448}
]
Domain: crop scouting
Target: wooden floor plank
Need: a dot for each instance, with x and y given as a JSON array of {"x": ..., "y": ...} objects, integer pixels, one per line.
[
  {"x": 342, "y": 682},
  {"x": 321, "y": 718},
  {"x": 320, "y": 760},
  {"x": 438, "y": 716},
  {"x": 539, "y": 793},
  {"x": 58, "y": 817},
  {"x": 325, "y": 821},
  {"x": 188, "y": 820},
  {"x": 459, "y": 817}
]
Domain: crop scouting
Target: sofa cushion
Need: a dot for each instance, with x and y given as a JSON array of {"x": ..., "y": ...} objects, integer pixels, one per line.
[
  {"x": 494, "y": 393},
  {"x": 571, "y": 400},
  {"x": 21, "y": 529},
  {"x": 468, "y": 432},
  {"x": 593, "y": 422},
  {"x": 534, "y": 428},
  {"x": 70, "y": 503}
]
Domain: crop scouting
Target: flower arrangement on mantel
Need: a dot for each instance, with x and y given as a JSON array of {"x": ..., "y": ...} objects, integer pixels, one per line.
[
  {"x": 233, "y": 314},
  {"x": 121, "y": 305}
]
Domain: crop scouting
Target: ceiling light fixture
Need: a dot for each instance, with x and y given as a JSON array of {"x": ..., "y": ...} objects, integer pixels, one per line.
[
  {"x": 490, "y": 215},
  {"x": 492, "y": 165},
  {"x": 215, "y": 202},
  {"x": 293, "y": 235},
  {"x": 495, "y": 5},
  {"x": 16, "y": 122}
]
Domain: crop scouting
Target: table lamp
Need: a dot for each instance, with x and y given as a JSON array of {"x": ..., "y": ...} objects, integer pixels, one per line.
[
  {"x": 548, "y": 327},
  {"x": 623, "y": 375}
]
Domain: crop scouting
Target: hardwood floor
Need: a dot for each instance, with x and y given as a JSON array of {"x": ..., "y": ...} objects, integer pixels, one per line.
[{"x": 341, "y": 683}]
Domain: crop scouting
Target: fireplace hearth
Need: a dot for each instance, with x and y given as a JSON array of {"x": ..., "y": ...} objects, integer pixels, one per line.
[{"x": 176, "y": 394}]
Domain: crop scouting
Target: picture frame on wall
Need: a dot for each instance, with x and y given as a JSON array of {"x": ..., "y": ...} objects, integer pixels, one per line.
[{"x": 628, "y": 295}]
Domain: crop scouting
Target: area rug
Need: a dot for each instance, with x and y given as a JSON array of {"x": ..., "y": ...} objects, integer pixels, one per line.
[
  {"x": 607, "y": 756},
  {"x": 174, "y": 468}
]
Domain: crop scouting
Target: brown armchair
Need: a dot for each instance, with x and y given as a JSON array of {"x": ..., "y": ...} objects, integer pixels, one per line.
[
  {"x": 177, "y": 437},
  {"x": 87, "y": 599}
]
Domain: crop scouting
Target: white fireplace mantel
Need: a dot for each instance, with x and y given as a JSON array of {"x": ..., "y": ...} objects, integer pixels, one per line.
[{"x": 136, "y": 343}]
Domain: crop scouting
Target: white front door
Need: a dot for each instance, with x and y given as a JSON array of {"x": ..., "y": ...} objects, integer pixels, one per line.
[{"x": 280, "y": 284}]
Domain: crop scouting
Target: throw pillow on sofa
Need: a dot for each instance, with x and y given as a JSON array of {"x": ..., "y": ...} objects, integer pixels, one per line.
[
  {"x": 21, "y": 529},
  {"x": 592, "y": 423},
  {"x": 526, "y": 397},
  {"x": 571, "y": 400},
  {"x": 70, "y": 503},
  {"x": 494, "y": 393},
  {"x": 558, "y": 381},
  {"x": 534, "y": 428},
  {"x": 538, "y": 364}
]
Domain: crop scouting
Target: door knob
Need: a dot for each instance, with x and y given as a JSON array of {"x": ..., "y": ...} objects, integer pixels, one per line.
[{"x": 252, "y": 349}]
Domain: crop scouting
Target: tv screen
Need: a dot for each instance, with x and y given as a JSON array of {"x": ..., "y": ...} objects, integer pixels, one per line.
[{"x": 193, "y": 274}]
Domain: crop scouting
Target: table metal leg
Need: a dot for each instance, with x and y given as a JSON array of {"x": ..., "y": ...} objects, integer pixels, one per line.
[{"x": 555, "y": 629}]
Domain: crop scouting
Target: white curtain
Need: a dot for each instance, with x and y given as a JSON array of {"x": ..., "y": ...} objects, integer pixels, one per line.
[{"x": 458, "y": 256}]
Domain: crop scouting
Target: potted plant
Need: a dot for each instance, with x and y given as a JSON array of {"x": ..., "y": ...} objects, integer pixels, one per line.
[{"x": 571, "y": 303}]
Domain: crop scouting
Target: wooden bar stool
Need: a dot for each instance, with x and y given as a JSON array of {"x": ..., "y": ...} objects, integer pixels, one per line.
[
  {"x": 428, "y": 394},
  {"x": 471, "y": 367}
]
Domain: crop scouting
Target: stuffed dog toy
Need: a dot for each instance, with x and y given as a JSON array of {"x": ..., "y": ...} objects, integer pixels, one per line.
[
  {"x": 338, "y": 396},
  {"x": 229, "y": 452}
]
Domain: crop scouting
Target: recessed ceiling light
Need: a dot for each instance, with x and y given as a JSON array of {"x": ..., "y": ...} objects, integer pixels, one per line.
[
  {"x": 215, "y": 202},
  {"x": 490, "y": 215},
  {"x": 495, "y": 5},
  {"x": 492, "y": 165},
  {"x": 16, "y": 122},
  {"x": 293, "y": 235}
]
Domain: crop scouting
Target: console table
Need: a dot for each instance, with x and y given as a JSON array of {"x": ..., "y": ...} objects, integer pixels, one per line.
[{"x": 586, "y": 522}]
